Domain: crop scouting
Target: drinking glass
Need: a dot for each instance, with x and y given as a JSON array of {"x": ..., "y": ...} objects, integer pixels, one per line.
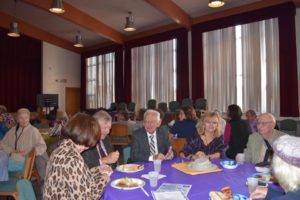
[
  {"x": 153, "y": 177},
  {"x": 157, "y": 165}
]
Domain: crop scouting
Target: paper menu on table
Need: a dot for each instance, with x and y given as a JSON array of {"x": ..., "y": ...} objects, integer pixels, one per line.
[
  {"x": 174, "y": 195},
  {"x": 170, "y": 187}
]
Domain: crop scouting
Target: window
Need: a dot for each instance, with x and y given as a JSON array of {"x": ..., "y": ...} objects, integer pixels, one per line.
[
  {"x": 100, "y": 81},
  {"x": 241, "y": 66},
  {"x": 154, "y": 73}
]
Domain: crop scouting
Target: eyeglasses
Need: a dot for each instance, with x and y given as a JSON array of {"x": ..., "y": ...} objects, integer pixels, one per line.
[{"x": 263, "y": 123}]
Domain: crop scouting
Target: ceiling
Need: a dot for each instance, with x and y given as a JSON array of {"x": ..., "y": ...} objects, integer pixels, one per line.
[{"x": 102, "y": 21}]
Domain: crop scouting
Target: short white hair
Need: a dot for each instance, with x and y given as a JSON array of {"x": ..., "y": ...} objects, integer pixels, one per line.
[
  {"x": 150, "y": 111},
  {"x": 23, "y": 110},
  {"x": 269, "y": 115},
  {"x": 287, "y": 175}
]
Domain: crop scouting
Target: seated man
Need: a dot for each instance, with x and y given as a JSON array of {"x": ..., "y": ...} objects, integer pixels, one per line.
[
  {"x": 259, "y": 144},
  {"x": 20, "y": 140},
  {"x": 150, "y": 143},
  {"x": 102, "y": 153}
]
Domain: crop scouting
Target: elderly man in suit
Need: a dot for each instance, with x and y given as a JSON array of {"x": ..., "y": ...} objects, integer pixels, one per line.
[
  {"x": 150, "y": 143},
  {"x": 259, "y": 146}
]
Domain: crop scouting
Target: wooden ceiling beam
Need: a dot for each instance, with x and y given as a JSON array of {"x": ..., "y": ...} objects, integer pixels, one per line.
[
  {"x": 173, "y": 11},
  {"x": 238, "y": 10},
  {"x": 80, "y": 18},
  {"x": 37, "y": 33}
]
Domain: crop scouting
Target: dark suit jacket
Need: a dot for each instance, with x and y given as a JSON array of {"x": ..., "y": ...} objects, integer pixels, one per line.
[
  {"x": 279, "y": 195},
  {"x": 91, "y": 156},
  {"x": 140, "y": 149}
]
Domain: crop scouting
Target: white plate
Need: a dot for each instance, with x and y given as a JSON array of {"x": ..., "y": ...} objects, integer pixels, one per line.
[
  {"x": 264, "y": 177},
  {"x": 237, "y": 197},
  {"x": 127, "y": 183},
  {"x": 130, "y": 168},
  {"x": 229, "y": 164}
]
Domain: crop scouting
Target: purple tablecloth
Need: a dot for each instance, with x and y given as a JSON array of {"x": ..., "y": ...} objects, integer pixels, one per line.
[
  {"x": 3, "y": 166},
  {"x": 201, "y": 184}
]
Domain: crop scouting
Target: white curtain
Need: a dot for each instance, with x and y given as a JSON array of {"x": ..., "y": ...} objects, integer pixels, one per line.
[
  {"x": 154, "y": 73},
  {"x": 241, "y": 66},
  {"x": 219, "y": 68},
  {"x": 260, "y": 65},
  {"x": 100, "y": 81}
]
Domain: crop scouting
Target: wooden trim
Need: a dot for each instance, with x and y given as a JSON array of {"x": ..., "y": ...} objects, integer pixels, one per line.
[
  {"x": 78, "y": 17},
  {"x": 238, "y": 10},
  {"x": 173, "y": 11},
  {"x": 36, "y": 33}
]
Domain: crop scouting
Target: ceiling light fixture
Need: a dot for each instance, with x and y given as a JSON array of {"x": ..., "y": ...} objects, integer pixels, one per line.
[
  {"x": 216, "y": 3},
  {"x": 129, "y": 26},
  {"x": 57, "y": 7},
  {"x": 78, "y": 40},
  {"x": 13, "y": 30}
]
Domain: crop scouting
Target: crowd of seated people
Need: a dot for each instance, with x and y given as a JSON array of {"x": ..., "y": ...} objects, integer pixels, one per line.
[{"x": 85, "y": 151}]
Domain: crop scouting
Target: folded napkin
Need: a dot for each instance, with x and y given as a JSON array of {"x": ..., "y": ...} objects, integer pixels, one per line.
[
  {"x": 184, "y": 168},
  {"x": 175, "y": 195},
  {"x": 146, "y": 176}
]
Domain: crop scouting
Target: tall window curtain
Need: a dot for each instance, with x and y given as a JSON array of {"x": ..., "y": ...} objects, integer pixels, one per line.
[
  {"x": 219, "y": 57},
  {"x": 100, "y": 81},
  {"x": 154, "y": 73},
  {"x": 260, "y": 66}
]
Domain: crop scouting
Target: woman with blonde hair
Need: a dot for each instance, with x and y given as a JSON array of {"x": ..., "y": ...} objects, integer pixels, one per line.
[{"x": 207, "y": 141}]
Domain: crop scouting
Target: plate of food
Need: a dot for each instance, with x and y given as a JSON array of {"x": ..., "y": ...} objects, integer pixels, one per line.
[
  {"x": 229, "y": 164},
  {"x": 129, "y": 168},
  {"x": 265, "y": 177},
  {"x": 226, "y": 193},
  {"x": 127, "y": 183}
]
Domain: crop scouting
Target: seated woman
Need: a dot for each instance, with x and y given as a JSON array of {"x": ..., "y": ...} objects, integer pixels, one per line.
[
  {"x": 240, "y": 130},
  {"x": 185, "y": 127},
  {"x": 67, "y": 176},
  {"x": 6, "y": 121},
  {"x": 207, "y": 141},
  {"x": 19, "y": 141},
  {"x": 60, "y": 121},
  {"x": 286, "y": 168}
]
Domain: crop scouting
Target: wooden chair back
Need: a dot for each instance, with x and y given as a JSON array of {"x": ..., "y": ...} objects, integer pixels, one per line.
[
  {"x": 29, "y": 164},
  {"x": 178, "y": 144},
  {"x": 119, "y": 134}
]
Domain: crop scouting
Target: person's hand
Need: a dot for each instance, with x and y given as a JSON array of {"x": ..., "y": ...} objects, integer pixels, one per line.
[
  {"x": 106, "y": 169},
  {"x": 159, "y": 156},
  {"x": 259, "y": 193},
  {"x": 181, "y": 155},
  {"x": 170, "y": 154},
  {"x": 21, "y": 152},
  {"x": 111, "y": 158}
]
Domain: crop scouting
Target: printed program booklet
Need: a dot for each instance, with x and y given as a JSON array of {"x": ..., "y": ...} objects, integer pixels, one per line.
[{"x": 170, "y": 187}]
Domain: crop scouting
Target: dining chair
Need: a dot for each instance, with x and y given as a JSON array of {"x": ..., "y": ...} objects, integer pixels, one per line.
[
  {"x": 186, "y": 102},
  {"x": 126, "y": 154},
  {"x": 200, "y": 104},
  {"x": 131, "y": 110},
  {"x": 163, "y": 106},
  {"x": 9, "y": 188},
  {"x": 178, "y": 144},
  {"x": 119, "y": 134},
  {"x": 173, "y": 106},
  {"x": 151, "y": 104},
  {"x": 289, "y": 126}
]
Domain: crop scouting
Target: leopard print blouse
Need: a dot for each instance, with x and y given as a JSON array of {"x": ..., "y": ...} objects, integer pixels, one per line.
[{"x": 67, "y": 176}]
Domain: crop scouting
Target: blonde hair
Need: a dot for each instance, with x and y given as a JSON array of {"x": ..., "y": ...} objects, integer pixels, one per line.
[
  {"x": 287, "y": 175},
  {"x": 206, "y": 115}
]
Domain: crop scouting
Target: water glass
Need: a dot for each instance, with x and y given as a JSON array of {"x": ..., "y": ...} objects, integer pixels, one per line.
[
  {"x": 252, "y": 184},
  {"x": 153, "y": 177},
  {"x": 240, "y": 158},
  {"x": 157, "y": 165}
]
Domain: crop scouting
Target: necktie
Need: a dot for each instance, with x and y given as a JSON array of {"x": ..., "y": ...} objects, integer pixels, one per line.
[
  {"x": 152, "y": 145},
  {"x": 268, "y": 151}
]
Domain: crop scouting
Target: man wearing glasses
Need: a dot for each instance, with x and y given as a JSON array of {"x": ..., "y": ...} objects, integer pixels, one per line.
[{"x": 259, "y": 146}]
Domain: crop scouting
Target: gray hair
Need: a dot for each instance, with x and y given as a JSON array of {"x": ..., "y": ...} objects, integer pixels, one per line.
[
  {"x": 150, "y": 111},
  {"x": 102, "y": 116},
  {"x": 270, "y": 116},
  {"x": 287, "y": 175},
  {"x": 23, "y": 110}
]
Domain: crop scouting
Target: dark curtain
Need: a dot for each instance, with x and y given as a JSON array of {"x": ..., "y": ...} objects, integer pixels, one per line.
[
  {"x": 118, "y": 49},
  {"x": 182, "y": 60},
  {"x": 287, "y": 51},
  {"x": 20, "y": 71}
]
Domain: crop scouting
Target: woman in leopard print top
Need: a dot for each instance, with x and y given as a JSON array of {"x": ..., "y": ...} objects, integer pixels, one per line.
[{"x": 67, "y": 176}]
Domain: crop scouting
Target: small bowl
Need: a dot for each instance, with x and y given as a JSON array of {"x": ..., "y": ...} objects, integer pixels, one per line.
[{"x": 229, "y": 164}]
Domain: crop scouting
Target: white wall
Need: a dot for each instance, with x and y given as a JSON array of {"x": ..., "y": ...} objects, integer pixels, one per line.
[
  {"x": 61, "y": 69},
  {"x": 298, "y": 49}
]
